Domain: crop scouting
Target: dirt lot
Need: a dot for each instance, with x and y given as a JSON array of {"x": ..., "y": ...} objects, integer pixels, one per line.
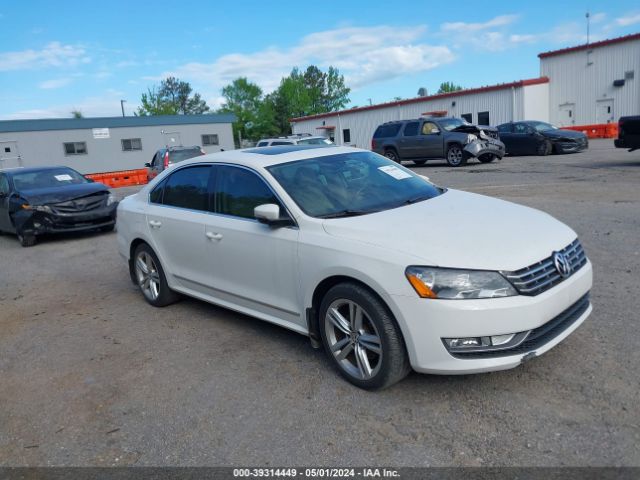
[{"x": 92, "y": 375}]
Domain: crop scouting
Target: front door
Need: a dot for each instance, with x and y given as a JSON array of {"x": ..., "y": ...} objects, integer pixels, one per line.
[
  {"x": 5, "y": 221},
  {"x": 431, "y": 141},
  {"x": 604, "y": 111},
  {"x": 567, "y": 114},
  {"x": 252, "y": 264}
]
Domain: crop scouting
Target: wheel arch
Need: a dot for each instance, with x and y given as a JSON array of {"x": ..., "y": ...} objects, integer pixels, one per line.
[{"x": 132, "y": 248}]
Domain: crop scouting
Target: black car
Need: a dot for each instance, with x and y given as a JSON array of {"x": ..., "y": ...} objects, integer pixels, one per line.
[
  {"x": 168, "y": 156},
  {"x": 540, "y": 138},
  {"x": 41, "y": 200},
  {"x": 628, "y": 133}
]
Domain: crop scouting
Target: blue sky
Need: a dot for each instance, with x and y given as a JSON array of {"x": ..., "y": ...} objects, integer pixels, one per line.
[{"x": 56, "y": 57}]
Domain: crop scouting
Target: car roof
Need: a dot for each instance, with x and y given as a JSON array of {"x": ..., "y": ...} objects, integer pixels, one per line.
[{"x": 267, "y": 156}]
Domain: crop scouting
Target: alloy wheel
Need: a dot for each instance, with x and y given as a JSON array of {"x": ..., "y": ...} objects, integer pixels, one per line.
[
  {"x": 353, "y": 339},
  {"x": 454, "y": 155},
  {"x": 147, "y": 275}
]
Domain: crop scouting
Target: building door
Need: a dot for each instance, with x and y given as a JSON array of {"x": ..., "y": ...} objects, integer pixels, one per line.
[
  {"x": 566, "y": 116},
  {"x": 604, "y": 111},
  {"x": 10, "y": 155}
]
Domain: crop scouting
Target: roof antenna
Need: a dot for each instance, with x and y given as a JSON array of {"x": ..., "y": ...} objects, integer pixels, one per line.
[{"x": 588, "y": 25}]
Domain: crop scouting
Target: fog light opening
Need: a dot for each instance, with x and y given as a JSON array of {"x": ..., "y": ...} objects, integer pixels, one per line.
[{"x": 479, "y": 344}]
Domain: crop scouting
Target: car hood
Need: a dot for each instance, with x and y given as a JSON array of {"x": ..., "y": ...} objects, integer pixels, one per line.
[
  {"x": 460, "y": 230},
  {"x": 44, "y": 196},
  {"x": 563, "y": 134},
  {"x": 475, "y": 129}
]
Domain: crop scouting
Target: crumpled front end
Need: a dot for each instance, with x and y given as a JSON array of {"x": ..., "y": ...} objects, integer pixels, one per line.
[{"x": 483, "y": 145}]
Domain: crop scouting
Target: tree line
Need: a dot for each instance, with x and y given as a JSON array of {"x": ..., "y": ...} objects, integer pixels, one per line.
[{"x": 259, "y": 115}]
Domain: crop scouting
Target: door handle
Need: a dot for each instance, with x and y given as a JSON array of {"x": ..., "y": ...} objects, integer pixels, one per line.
[
  {"x": 213, "y": 236},
  {"x": 155, "y": 223}
]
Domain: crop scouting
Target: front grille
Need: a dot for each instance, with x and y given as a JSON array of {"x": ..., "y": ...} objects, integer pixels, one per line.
[
  {"x": 85, "y": 204},
  {"x": 538, "y": 336},
  {"x": 542, "y": 276},
  {"x": 492, "y": 134}
]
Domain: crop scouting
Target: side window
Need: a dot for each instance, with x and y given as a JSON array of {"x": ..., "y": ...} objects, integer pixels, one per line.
[
  {"x": 520, "y": 128},
  {"x": 4, "y": 185},
  {"x": 239, "y": 191},
  {"x": 279, "y": 142},
  {"x": 411, "y": 129},
  {"x": 429, "y": 128},
  {"x": 188, "y": 188},
  {"x": 262, "y": 144},
  {"x": 156, "y": 194},
  {"x": 505, "y": 128},
  {"x": 346, "y": 135}
]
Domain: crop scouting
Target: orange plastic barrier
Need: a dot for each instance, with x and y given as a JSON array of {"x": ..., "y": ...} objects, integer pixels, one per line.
[
  {"x": 124, "y": 178},
  {"x": 602, "y": 130}
]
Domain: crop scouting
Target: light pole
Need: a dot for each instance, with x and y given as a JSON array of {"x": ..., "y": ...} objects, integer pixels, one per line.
[{"x": 122, "y": 106}]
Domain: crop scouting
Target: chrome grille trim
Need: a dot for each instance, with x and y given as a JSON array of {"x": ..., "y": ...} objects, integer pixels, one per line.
[
  {"x": 85, "y": 204},
  {"x": 542, "y": 276}
]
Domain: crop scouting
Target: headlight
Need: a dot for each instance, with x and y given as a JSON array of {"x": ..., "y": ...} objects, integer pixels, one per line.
[
  {"x": 471, "y": 137},
  {"x": 37, "y": 208},
  {"x": 447, "y": 283},
  {"x": 111, "y": 199}
]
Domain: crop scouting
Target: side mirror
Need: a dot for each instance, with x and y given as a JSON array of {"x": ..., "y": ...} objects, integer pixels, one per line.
[
  {"x": 148, "y": 165},
  {"x": 269, "y": 214}
]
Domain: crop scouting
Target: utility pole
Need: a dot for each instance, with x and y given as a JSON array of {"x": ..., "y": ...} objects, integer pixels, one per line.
[
  {"x": 588, "y": 25},
  {"x": 122, "y": 106}
]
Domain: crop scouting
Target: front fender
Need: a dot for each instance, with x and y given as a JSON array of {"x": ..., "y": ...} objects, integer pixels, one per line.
[{"x": 479, "y": 147}]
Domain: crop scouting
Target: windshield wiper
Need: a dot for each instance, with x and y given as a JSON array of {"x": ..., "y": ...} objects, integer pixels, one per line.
[
  {"x": 417, "y": 199},
  {"x": 346, "y": 213}
]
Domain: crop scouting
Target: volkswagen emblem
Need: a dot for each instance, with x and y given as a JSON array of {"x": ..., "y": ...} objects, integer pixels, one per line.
[{"x": 562, "y": 264}]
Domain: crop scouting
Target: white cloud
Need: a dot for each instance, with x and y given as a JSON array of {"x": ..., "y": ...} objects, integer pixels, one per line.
[
  {"x": 55, "y": 83},
  {"x": 463, "y": 27},
  {"x": 363, "y": 54},
  {"x": 627, "y": 20},
  {"x": 53, "y": 54},
  {"x": 598, "y": 17}
]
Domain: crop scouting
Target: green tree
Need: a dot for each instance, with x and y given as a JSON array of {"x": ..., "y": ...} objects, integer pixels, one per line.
[
  {"x": 173, "y": 97},
  {"x": 447, "y": 87},
  {"x": 76, "y": 114},
  {"x": 243, "y": 98}
]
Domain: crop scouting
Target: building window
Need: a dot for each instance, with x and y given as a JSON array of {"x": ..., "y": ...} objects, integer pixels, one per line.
[
  {"x": 130, "y": 144},
  {"x": 210, "y": 139},
  {"x": 346, "y": 135},
  {"x": 75, "y": 148},
  {"x": 467, "y": 117},
  {"x": 483, "y": 118}
]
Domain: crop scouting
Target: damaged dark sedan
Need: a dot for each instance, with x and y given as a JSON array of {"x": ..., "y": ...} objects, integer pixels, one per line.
[
  {"x": 36, "y": 201},
  {"x": 531, "y": 137}
]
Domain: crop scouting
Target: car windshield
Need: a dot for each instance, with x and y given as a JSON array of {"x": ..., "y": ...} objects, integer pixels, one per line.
[
  {"x": 49, "y": 178},
  {"x": 176, "y": 156},
  {"x": 542, "y": 126},
  {"x": 351, "y": 184},
  {"x": 314, "y": 141},
  {"x": 451, "y": 123}
]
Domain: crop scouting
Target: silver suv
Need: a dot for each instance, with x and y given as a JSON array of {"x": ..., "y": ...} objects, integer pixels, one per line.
[{"x": 294, "y": 140}]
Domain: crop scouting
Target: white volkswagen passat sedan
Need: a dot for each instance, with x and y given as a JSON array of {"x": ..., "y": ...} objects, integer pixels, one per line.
[{"x": 386, "y": 270}]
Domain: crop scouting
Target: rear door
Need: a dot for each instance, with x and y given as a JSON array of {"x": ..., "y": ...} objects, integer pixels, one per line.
[
  {"x": 178, "y": 210},
  {"x": 252, "y": 264},
  {"x": 507, "y": 137}
]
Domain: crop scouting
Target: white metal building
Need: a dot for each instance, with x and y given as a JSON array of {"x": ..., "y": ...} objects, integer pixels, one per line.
[
  {"x": 93, "y": 145},
  {"x": 594, "y": 83},
  {"x": 582, "y": 85}
]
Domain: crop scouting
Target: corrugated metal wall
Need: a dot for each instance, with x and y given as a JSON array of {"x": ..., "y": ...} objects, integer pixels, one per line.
[
  {"x": 582, "y": 82},
  {"x": 503, "y": 106}
]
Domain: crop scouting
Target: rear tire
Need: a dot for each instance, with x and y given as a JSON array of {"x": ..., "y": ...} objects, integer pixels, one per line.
[
  {"x": 362, "y": 338},
  {"x": 456, "y": 156},
  {"x": 151, "y": 279},
  {"x": 392, "y": 155},
  {"x": 419, "y": 162}
]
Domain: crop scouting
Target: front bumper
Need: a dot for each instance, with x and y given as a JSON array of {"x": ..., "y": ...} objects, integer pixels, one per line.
[
  {"x": 38, "y": 222},
  {"x": 480, "y": 147},
  {"x": 572, "y": 147},
  {"x": 426, "y": 322}
]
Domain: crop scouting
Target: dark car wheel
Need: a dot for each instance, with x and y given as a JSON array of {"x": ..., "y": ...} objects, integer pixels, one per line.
[
  {"x": 26, "y": 239},
  {"x": 362, "y": 338},
  {"x": 486, "y": 158},
  {"x": 456, "y": 156},
  {"x": 392, "y": 155},
  {"x": 419, "y": 162},
  {"x": 151, "y": 279},
  {"x": 544, "y": 148}
]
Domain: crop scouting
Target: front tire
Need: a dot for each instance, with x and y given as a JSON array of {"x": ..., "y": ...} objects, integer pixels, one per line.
[
  {"x": 362, "y": 338},
  {"x": 456, "y": 156},
  {"x": 26, "y": 239},
  {"x": 151, "y": 279},
  {"x": 545, "y": 148},
  {"x": 486, "y": 158}
]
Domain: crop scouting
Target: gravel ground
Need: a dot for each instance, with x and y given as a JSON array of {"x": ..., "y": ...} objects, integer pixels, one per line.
[{"x": 92, "y": 375}]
